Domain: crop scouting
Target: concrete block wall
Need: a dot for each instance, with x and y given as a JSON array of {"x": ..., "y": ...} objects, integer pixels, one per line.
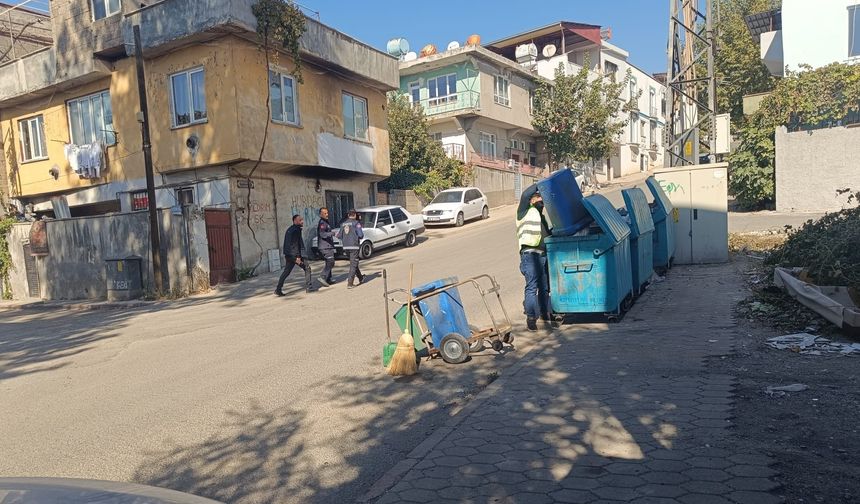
[{"x": 811, "y": 166}]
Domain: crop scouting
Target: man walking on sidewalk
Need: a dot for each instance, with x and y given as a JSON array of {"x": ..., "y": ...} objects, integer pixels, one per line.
[
  {"x": 325, "y": 244},
  {"x": 351, "y": 234},
  {"x": 293, "y": 247},
  {"x": 531, "y": 232}
]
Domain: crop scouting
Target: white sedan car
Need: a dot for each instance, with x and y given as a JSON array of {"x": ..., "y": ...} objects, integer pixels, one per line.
[
  {"x": 383, "y": 226},
  {"x": 456, "y": 206}
]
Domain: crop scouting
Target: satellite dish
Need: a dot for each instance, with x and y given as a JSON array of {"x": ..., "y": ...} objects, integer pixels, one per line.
[
  {"x": 549, "y": 50},
  {"x": 410, "y": 56},
  {"x": 453, "y": 45}
]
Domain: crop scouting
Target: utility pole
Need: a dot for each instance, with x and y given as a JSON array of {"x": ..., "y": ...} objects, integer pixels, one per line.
[
  {"x": 154, "y": 231},
  {"x": 691, "y": 126}
]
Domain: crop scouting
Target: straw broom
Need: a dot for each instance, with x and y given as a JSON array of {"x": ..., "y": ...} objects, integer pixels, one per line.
[{"x": 403, "y": 362}]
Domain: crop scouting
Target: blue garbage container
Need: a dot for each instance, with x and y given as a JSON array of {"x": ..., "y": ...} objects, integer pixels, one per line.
[
  {"x": 590, "y": 272},
  {"x": 641, "y": 238},
  {"x": 443, "y": 313},
  {"x": 664, "y": 227},
  {"x": 562, "y": 199}
]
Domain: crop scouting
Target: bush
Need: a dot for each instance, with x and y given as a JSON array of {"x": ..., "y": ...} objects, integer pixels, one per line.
[{"x": 828, "y": 248}]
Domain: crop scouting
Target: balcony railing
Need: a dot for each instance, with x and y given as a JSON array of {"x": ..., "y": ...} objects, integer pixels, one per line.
[
  {"x": 455, "y": 151},
  {"x": 451, "y": 103}
]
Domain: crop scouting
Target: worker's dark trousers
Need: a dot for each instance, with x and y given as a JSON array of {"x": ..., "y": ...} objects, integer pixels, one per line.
[
  {"x": 288, "y": 268},
  {"x": 328, "y": 256},
  {"x": 353, "y": 268},
  {"x": 534, "y": 268}
]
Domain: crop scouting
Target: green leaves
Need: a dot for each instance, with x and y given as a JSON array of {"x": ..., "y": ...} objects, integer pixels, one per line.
[
  {"x": 281, "y": 21},
  {"x": 5, "y": 257},
  {"x": 417, "y": 161},
  {"x": 577, "y": 115}
]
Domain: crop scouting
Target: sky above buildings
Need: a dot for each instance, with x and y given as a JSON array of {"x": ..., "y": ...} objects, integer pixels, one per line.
[{"x": 638, "y": 26}]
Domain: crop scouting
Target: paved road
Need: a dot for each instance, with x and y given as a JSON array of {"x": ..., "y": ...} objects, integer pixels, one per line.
[{"x": 241, "y": 396}]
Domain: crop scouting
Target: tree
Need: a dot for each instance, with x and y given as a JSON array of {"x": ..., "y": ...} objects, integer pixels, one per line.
[
  {"x": 417, "y": 161},
  {"x": 578, "y": 115},
  {"x": 738, "y": 66}
]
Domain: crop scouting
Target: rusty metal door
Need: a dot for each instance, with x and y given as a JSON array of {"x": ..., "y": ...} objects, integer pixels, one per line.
[{"x": 219, "y": 233}]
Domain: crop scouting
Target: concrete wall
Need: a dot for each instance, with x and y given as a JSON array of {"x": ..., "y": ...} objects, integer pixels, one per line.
[
  {"x": 407, "y": 199},
  {"x": 498, "y": 185},
  {"x": 22, "y": 31},
  {"x": 75, "y": 265},
  {"x": 517, "y": 113},
  {"x": 815, "y": 33},
  {"x": 811, "y": 166}
]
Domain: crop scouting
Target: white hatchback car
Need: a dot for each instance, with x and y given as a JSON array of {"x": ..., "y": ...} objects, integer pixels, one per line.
[
  {"x": 456, "y": 206},
  {"x": 384, "y": 226}
]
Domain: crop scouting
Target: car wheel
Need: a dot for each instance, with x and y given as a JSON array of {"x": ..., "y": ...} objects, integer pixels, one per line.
[
  {"x": 460, "y": 220},
  {"x": 485, "y": 213},
  {"x": 366, "y": 250},
  {"x": 411, "y": 239}
]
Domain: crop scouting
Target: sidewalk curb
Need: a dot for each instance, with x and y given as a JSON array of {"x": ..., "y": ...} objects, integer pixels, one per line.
[
  {"x": 393, "y": 475},
  {"x": 45, "y": 306}
]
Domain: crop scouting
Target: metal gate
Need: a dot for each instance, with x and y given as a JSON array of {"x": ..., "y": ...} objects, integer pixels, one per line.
[
  {"x": 219, "y": 233},
  {"x": 518, "y": 185},
  {"x": 34, "y": 288}
]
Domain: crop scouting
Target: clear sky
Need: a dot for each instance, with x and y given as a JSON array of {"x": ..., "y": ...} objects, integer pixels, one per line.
[{"x": 638, "y": 26}]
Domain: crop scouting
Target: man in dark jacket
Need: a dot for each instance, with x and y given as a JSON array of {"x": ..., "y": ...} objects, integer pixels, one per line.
[
  {"x": 325, "y": 244},
  {"x": 293, "y": 247},
  {"x": 351, "y": 234}
]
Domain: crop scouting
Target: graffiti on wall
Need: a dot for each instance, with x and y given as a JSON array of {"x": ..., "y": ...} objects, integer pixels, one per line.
[
  {"x": 671, "y": 187},
  {"x": 262, "y": 214}
]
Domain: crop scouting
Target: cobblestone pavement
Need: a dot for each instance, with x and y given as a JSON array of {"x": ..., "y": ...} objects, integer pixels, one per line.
[{"x": 604, "y": 413}]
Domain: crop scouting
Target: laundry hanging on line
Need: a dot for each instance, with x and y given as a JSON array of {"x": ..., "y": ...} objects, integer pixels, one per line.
[{"x": 86, "y": 160}]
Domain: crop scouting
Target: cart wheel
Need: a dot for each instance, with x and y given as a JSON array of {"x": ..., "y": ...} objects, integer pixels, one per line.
[
  {"x": 454, "y": 349},
  {"x": 475, "y": 346},
  {"x": 627, "y": 303},
  {"x": 497, "y": 345},
  {"x": 507, "y": 338}
]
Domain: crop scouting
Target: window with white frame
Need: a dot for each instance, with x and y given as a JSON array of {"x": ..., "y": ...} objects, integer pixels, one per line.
[
  {"x": 415, "y": 93},
  {"x": 501, "y": 90},
  {"x": 91, "y": 119},
  {"x": 32, "y": 133},
  {"x": 188, "y": 97},
  {"x": 442, "y": 89},
  {"x": 634, "y": 127},
  {"x": 853, "y": 31},
  {"x": 488, "y": 145},
  {"x": 531, "y": 101},
  {"x": 437, "y": 137},
  {"x": 652, "y": 102},
  {"x": 285, "y": 104},
  {"x": 105, "y": 8},
  {"x": 654, "y": 133},
  {"x": 633, "y": 90},
  {"x": 354, "y": 117}
]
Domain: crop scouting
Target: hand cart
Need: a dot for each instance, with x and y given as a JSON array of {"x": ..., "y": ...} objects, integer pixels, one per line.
[{"x": 439, "y": 325}]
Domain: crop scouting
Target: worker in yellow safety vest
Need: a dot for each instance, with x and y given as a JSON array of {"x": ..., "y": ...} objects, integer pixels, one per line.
[{"x": 532, "y": 229}]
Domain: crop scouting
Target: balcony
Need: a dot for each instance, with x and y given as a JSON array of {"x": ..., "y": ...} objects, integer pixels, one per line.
[
  {"x": 506, "y": 164},
  {"x": 455, "y": 151},
  {"x": 464, "y": 100}
]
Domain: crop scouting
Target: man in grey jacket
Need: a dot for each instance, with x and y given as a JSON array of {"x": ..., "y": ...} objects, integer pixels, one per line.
[
  {"x": 351, "y": 234},
  {"x": 325, "y": 245}
]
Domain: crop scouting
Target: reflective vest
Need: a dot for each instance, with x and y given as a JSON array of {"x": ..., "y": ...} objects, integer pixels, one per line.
[{"x": 530, "y": 229}]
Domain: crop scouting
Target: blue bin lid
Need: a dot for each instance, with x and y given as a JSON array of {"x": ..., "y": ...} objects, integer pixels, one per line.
[
  {"x": 640, "y": 213},
  {"x": 659, "y": 194},
  {"x": 434, "y": 285},
  {"x": 607, "y": 217}
]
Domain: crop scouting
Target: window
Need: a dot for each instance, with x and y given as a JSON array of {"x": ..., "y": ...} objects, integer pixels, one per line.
[
  {"x": 634, "y": 127},
  {"x": 185, "y": 196},
  {"x": 91, "y": 119},
  {"x": 139, "y": 201},
  {"x": 437, "y": 137},
  {"x": 285, "y": 106},
  {"x": 652, "y": 102},
  {"x": 415, "y": 93},
  {"x": 633, "y": 90},
  {"x": 501, "y": 91},
  {"x": 32, "y": 133},
  {"x": 663, "y": 105},
  {"x": 531, "y": 101},
  {"x": 610, "y": 69},
  {"x": 853, "y": 32},
  {"x": 384, "y": 219},
  {"x": 354, "y": 117},
  {"x": 442, "y": 89},
  {"x": 188, "y": 97},
  {"x": 398, "y": 215},
  {"x": 105, "y": 8},
  {"x": 653, "y": 132},
  {"x": 338, "y": 203},
  {"x": 472, "y": 195},
  {"x": 488, "y": 145}
]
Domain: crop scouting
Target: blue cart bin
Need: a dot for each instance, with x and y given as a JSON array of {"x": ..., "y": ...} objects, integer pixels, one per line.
[
  {"x": 444, "y": 314},
  {"x": 562, "y": 199},
  {"x": 641, "y": 238},
  {"x": 590, "y": 271},
  {"x": 664, "y": 227}
]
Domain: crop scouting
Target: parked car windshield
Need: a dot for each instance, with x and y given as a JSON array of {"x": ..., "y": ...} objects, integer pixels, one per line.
[
  {"x": 448, "y": 197},
  {"x": 368, "y": 219}
]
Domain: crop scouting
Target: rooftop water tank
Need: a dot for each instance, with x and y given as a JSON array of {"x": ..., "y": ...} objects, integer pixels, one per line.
[{"x": 397, "y": 47}]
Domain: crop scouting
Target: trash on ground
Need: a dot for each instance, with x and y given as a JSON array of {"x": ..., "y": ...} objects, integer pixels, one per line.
[
  {"x": 810, "y": 344},
  {"x": 834, "y": 303},
  {"x": 780, "y": 391}
]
